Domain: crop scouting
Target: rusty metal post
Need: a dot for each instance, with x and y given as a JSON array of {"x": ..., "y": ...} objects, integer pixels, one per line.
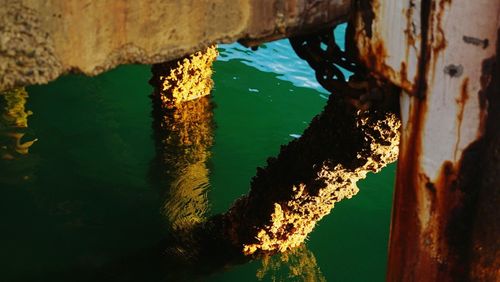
[{"x": 443, "y": 54}]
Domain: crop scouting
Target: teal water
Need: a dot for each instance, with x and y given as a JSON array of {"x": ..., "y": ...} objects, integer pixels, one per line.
[{"x": 86, "y": 197}]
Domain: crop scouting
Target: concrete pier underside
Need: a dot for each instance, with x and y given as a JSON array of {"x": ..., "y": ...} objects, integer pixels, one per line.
[{"x": 40, "y": 40}]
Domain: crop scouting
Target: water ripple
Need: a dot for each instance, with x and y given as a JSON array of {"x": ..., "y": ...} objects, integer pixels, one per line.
[{"x": 279, "y": 58}]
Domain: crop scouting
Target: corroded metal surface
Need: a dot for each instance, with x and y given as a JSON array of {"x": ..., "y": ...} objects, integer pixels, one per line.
[
  {"x": 40, "y": 40},
  {"x": 426, "y": 48}
]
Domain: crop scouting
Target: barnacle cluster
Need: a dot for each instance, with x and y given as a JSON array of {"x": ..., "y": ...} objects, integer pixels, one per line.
[
  {"x": 188, "y": 78},
  {"x": 292, "y": 220}
]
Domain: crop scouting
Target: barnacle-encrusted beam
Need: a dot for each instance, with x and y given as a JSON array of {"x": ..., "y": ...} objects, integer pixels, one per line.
[{"x": 300, "y": 186}]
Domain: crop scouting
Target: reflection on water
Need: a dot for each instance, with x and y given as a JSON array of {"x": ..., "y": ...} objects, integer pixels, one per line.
[
  {"x": 183, "y": 133},
  {"x": 184, "y": 79},
  {"x": 287, "y": 197},
  {"x": 279, "y": 58},
  {"x": 15, "y": 161},
  {"x": 93, "y": 211},
  {"x": 183, "y": 137},
  {"x": 300, "y": 264}
]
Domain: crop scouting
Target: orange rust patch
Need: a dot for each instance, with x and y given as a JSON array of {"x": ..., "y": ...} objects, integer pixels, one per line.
[
  {"x": 447, "y": 202},
  {"x": 404, "y": 73},
  {"x": 461, "y": 101},
  {"x": 410, "y": 30},
  {"x": 438, "y": 39},
  {"x": 405, "y": 226},
  {"x": 374, "y": 58},
  {"x": 373, "y": 52}
]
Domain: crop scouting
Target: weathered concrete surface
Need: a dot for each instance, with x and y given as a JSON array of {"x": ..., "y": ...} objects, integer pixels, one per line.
[{"x": 40, "y": 40}]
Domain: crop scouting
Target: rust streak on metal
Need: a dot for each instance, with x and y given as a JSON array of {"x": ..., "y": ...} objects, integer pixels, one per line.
[
  {"x": 461, "y": 101},
  {"x": 405, "y": 223},
  {"x": 424, "y": 56},
  {"x": 373, "y": 52},
  {"x": 435, "y": 213},
  {"x": 404, "y": 72},
  {"x": 410, "y": 30},
  {"x": 449, "y": 207},
  {"x": 374, "y": 58},
  {"x": 440, "y": 39},
  {"x": 410, "y": 27},
  {"x": 437, "y": 37},
  {"x": 445, "y": 227},
  {"x": 407, "y": 261}
]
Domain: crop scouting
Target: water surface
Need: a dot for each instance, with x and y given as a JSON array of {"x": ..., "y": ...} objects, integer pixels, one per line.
[{"x": 91, "y": 192}]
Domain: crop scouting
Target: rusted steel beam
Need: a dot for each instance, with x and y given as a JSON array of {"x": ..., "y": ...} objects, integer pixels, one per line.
[
  {"x": 442, "y": 53},
  {"x": 40, "y": 40}
]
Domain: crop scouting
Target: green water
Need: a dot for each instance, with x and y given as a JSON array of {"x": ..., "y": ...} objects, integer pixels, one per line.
[{"x": 85, "y": 199}]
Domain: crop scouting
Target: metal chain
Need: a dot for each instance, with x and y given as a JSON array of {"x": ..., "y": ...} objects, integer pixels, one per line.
[{"x": 323, "y": 54}]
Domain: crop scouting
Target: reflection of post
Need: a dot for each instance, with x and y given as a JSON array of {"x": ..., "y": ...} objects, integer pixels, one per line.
[
  {"x": 13, "y": 126},
  {"x": 183, "y": 132},
  {"x": 301, "y": 264}
]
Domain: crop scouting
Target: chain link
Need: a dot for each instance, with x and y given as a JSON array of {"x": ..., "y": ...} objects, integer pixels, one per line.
[{"x": 323, "y": 54}]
